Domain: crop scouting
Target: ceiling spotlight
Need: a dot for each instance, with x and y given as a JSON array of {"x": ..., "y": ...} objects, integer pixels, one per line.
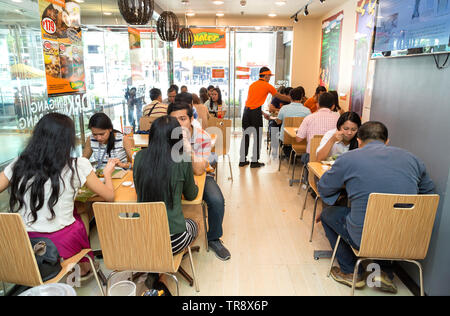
[
  {"x": 296, "y": 19},
  {"x": 306, "y": 12},
  {"x": 322, "y": 1},
  {"x": 272, "y": 15},
  {"x": 217, "y": 2},
  {"x": 220, "y": 14},
  {"x": 190, "y": 13},
  {"x": 280, "y": 2},
  {"x": 243, "y": 3},
  {"x": 184, "y": 2}
]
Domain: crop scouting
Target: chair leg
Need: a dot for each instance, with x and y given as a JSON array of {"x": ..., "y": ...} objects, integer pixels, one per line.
[
  {"x": 194, "y": 276},
  {"x": 301, "y": 180},
  {"x": 205, "y": 225},
  {"x": 334, "y": 254},
  {"x": 280, "y": 150},
  {"x": 95, "y": 274},
  {"x": 355, "y": 274},
  {"x": 293, "y": 169},
  {"x": 313, "y": 218},
  {"x": 422, "y": 292},
  {"x": 3, "y": 288},
  {"x": 174, "y": 277},
  {"x": 231, "y": 170},
  {"x": 304, "y": 204}
]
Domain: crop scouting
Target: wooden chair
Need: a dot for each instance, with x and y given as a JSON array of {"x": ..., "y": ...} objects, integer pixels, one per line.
[
  {"x": 17, "y": 260},
  {"x": 223, "y": 141},
  {"x": 145, "y": 122},
  {"x": 314, "y": 144},
  {"x": 396, "y": 228},
  {"x": 289, "y": 122},
  {"x": 140, "y": 244}
]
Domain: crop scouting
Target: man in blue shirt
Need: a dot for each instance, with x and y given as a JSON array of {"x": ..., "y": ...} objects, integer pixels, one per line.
[
  {"x": 373, "y": 168},
  {"x": 294, "y": 109}
]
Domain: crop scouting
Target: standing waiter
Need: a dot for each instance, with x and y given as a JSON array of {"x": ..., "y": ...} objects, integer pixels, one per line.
[{"x": 252, "y": 121}]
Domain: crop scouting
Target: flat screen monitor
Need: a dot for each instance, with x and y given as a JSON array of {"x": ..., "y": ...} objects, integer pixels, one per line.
[{"x": 411, "y": 27}]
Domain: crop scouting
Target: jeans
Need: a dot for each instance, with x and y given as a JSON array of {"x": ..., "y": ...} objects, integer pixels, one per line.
[
  {"x": 334, "y": 224},
  {"x": 305, "y": 159},
  {"x": 216, "y": 208}
]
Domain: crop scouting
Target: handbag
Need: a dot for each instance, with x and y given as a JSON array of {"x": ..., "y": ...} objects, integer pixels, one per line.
[{"x": 47, "y": 257}]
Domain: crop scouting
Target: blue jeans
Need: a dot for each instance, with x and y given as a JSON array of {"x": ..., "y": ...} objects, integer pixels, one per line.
[
  {"x": 216, "y": 208},
  {"x": 334, "y": 223}
]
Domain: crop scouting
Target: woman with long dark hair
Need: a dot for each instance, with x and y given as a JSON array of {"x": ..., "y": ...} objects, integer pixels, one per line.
[
  {"x": 342, "y": 139},
  {"x": 336, "y": 108},
  {"x": 215, "y": 103},
  {"x": 44, "y": 180},
  {"x": 203, "y": 95},
  {"x": 159, "y": 178},
  {"x": 107, "y": 143}
]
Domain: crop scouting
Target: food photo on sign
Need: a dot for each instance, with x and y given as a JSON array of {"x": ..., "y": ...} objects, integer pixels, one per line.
[{"x": 62, "y": 46}]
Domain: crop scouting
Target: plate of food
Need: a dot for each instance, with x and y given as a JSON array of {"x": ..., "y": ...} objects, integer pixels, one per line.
[{"x": 328, "y": 162}]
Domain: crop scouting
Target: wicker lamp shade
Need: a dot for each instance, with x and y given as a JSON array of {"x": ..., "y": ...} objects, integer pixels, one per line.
[
  {"x": 186, "y": 38},
  {"x": 168, "y": 26},
  {"x": 136, "y": 12}
]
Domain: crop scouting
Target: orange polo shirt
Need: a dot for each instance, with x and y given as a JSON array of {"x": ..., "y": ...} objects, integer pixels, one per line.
[
  {"x": 311, "y": 104},
  {"x": 257, "y": 93}
]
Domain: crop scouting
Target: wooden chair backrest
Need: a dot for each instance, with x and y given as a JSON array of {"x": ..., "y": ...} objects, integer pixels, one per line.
[
  {"x": 223, "y": 137},
  {"x": 314, "y": 144},
  {"x": 145, "y": 123},
  {"x": 135, "y": 243},
  {"x": 291, "y": 122},
  {"x": 395, "y": 232},
  {"x": 17, "y": 260}
]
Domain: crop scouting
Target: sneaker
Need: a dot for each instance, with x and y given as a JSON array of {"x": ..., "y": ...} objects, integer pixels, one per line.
[
  {"x": 257, "y": 165},
  {"x": 347, "y": 278},
  {"x": 387, "y": 284},
  {"x": 243, "y": 164},
  {"x": 221, "y": 252}
]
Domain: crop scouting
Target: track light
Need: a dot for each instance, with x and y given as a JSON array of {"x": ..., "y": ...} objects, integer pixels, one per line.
[
  {"x": 306, "y": 12},
  {"x": 296, "y": 19},
  {"x": 322, "y": 1}
]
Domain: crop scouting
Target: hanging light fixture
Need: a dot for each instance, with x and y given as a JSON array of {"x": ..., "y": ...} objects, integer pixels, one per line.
[
  {"x": 136, "y": 12},
  {"x": 186, "y": 38},
  {"x": 168, "y": 26}
]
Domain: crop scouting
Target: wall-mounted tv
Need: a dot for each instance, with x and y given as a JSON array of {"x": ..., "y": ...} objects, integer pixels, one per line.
[{"x": 411, "y": 27}]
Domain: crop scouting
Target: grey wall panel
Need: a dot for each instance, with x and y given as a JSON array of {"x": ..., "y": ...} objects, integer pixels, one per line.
[{"x": 412, "y": 97}]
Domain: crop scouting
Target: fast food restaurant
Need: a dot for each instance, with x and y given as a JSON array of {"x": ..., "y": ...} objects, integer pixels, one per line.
[{"x": 386, "y": 60}]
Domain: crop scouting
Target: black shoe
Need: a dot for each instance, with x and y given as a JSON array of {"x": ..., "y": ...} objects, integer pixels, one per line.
[
  {"x": 221, "y": 252},
  {"x": 243, "y": 164},
  {"x": 257, "y": 165}
]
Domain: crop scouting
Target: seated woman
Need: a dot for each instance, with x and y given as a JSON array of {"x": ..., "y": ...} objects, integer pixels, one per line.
[
  {"x": 215, "y": 104},
  {"x": 43, "y": 182},
  {"x": 336, "y": 108},
  {"x": 342, "y": 139},
  {"x": 107, "y": 143},
  {"x": 158, "y": 177}
]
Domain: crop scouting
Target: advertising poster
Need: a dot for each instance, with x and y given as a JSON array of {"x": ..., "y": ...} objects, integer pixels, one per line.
[
  {"x": 62, "y": 46},
  {"x": 365, "y": 21},
  {"x": 330, "y": 52},
  {"x": 209, "y": 38}
]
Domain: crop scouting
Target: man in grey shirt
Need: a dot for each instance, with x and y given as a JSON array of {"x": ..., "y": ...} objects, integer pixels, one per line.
[{"x": 373, "y": 168}]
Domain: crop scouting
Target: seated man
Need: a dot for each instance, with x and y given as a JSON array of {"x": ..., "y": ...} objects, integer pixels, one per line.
[
  {"x": 373, "y": 168},
  {"x": 317, "y": 123},
  {"x": 157, "y": 108},
  {"x": 202, "y": 159},
  {"x": 171, "y": 94},
  {"x": 294, "y": 109},
  {"x": 313, "y": 102}
]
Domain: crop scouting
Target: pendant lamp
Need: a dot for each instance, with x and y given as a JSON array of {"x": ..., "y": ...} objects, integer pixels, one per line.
[
  {"x": 186, "y": 38},
  {"x": 136, "y": 12},
  {"x": 168, "y": 26}
]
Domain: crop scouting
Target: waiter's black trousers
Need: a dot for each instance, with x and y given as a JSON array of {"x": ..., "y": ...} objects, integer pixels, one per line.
[{"x": 252, "y": 124}]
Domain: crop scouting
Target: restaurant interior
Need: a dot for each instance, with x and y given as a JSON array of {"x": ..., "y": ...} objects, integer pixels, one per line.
[{"x": 386, "y": 66}]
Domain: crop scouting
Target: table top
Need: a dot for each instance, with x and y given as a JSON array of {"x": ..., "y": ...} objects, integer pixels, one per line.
[
  {"x": 141, "y": 140},
  {"x": 318, "y": 168},
  {"x": 291, "y": 131},
  {"x": 128, "y": 193}
]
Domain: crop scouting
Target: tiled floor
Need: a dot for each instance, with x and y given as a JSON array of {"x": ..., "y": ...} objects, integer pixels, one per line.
[{"x": 269, "y": 244}]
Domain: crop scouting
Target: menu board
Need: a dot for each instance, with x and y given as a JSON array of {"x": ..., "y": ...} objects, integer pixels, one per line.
[
  {"x": 331, "y": 44},
  {"x": 62, "y": 46},
  {"x": 365, "y": 22}
]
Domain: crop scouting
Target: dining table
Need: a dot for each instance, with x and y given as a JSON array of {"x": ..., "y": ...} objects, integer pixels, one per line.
[{"x": 141, "y": 140}]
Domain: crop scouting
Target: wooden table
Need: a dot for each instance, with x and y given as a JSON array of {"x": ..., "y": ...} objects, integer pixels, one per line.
[
  {"x": 141, "y": 140},
  {"x": 291, "y": 131}
]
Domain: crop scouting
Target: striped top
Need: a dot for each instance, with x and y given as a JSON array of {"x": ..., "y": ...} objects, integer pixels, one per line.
[
  {"x": 100, "y": 155},
  {"x": 159, "y": 109}
]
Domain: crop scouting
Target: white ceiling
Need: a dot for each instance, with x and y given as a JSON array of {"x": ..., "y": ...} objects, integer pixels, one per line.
[{"x": 230, "y": 7}]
